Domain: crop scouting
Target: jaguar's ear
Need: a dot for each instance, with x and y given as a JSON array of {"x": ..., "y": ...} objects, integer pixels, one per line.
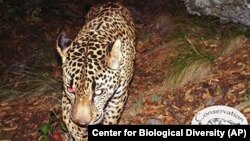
[
  {"x": 62, "y": 45},
  {"x": 114, "y": 56}
]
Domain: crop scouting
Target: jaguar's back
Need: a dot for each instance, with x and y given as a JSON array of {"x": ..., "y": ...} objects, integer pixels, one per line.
[{"x": 97, "y": 69}]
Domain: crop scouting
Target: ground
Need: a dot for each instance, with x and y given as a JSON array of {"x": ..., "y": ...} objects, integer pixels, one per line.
[{"x": 183, "y": 64}]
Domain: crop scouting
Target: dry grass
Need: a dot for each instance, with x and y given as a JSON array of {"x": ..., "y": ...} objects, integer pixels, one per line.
[
  {"x": 186, "y": 71},
  {"x": 233, "y": 44},
  {"x": 23, "y": 81}
]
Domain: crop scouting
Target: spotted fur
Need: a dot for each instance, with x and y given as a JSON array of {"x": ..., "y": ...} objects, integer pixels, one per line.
[{"x": 97, "y": 69}]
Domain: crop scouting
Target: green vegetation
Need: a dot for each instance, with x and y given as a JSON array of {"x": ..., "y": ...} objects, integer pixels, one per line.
[
  {"x": 146, "y": 37},
  {"x": 137, "y": 106},
  {"x": 156, "y": 98},
  {"x": 188, "y": 67},
  {"x": 47, "y": 130}
]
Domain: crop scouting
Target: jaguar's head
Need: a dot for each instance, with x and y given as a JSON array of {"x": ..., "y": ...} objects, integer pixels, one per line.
[{"x": 91, "y": 76}]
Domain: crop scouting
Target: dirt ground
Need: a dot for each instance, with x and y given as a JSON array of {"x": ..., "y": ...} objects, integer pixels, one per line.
[{"x": 160, "y": 35}]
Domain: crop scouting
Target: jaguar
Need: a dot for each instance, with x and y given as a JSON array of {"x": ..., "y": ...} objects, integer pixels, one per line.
[{"x": 97, "y": 68}]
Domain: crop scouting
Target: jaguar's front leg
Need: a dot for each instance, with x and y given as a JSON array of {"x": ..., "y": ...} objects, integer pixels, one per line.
[{"x": 115, "y": 107}]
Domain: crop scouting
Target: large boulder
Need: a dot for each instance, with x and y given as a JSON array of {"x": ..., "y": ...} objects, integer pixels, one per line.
[{"x": 237, "y": 11}]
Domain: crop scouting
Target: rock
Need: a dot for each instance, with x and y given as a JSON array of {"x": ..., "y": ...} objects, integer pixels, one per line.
[
  {"x": 153, "y": 121},
  {"x": 237, "y": 11}
]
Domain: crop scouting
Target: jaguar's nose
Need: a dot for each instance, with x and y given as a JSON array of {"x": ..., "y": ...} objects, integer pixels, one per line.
[
  {"x": 81, "y": 113},
  {"x": 82, "y": 116}
]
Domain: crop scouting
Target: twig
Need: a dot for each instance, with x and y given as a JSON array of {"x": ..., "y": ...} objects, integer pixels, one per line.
[
  {"x": 9, "y": 128},
  {"x": 203, "y": 41},
  {"x": 56, "y": 115},
  {"x": 192, "y": 46}
]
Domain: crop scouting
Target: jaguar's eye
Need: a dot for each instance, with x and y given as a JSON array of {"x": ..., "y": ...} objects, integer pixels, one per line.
[{"x": 98, "y": 92}]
